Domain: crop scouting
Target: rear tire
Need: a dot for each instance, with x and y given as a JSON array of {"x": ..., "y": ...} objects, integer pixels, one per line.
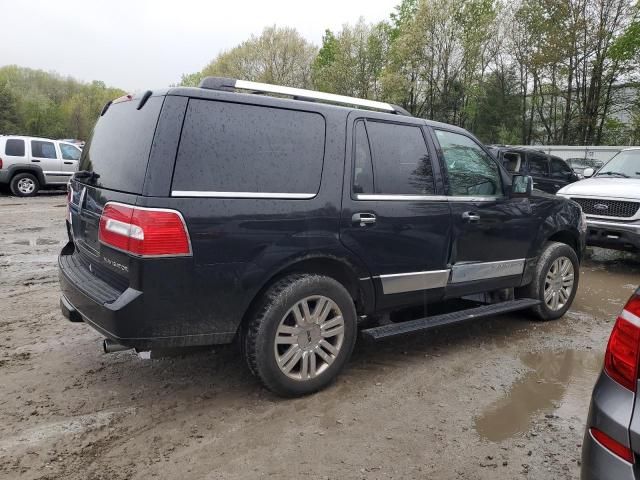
[
  {"x": 24, "y": 185},
  {"x": 301, "y": 334},
  {"x": 555, "y": 282}
]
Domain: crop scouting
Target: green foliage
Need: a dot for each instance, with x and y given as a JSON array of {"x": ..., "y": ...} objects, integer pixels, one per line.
[{"x": 34, "y": 102}]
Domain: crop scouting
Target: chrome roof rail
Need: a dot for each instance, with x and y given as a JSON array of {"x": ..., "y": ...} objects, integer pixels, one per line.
[{"x": 231, "y": 84}]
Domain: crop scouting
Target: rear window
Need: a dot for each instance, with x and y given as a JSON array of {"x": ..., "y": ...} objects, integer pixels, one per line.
[
  {"x": 229, "y": 147},
  {"x": 118, "y": 150},
  {"x": 14, "y": 147}
]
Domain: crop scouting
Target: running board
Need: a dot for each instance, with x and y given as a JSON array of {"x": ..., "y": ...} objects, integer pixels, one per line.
[{"x": 422, "y": 324}]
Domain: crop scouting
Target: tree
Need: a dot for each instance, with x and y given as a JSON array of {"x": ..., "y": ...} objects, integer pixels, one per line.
[
  {"x": 9, "y": 119},
  {"x": 279, "y": 56}
]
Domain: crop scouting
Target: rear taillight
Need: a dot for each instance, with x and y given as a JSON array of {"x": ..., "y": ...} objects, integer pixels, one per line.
[
  {"x": 612, "y": 445},
  {"x": 145, "y": 232},
  {"x": 623, "y": 351},
  {"x": 0, "y": 163}
]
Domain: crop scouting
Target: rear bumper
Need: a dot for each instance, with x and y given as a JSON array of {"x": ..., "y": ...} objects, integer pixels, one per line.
[
  {"x": 615, "y": 235},
  {"x": 598, "y": 463},
  {"x": 131, "y": 317},
  {"x": 610, "y": 412},
  {"x": 4, "y": 176}
]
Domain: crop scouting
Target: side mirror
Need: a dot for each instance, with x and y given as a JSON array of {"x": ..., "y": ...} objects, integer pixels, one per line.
[
  {"x": 521, "y": 186},
  {"x": 588, "y": 172}
]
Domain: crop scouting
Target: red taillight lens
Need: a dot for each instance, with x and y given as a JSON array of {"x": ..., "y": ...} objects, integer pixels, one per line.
[
  {"x": 612, "y": 445},
  {"x": 146, "y": 232},
  {"x": 0, "y": 163},
  {"x": 623, "y": 350}
]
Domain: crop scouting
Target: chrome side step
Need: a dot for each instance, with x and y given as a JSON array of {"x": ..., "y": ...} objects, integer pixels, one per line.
[{"x": 422, "y": 324}]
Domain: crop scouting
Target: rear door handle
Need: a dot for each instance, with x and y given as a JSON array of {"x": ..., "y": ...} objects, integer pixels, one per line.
[
  {"x": 471, "y": 217},
  {"x": 35, "y": 161},
  {"x": 363, "y": 219}
]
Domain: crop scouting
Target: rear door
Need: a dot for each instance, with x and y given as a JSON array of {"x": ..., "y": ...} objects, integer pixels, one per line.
[
  {"x": 45, "y": 154},
  {"x": 492, "y": 233},
  {"x": 394, "y": 216},
  {"x": 538, "y": 168},
  {"x": 115, "y": 162}
]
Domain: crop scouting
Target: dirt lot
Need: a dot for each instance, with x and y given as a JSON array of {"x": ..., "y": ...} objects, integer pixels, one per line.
[{"x": 502, "y": 398}]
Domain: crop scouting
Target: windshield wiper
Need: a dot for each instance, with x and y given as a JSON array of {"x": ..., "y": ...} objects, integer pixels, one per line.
[
  {"x": 613, "y": 174},
  {"x": 81, "y": 174}
]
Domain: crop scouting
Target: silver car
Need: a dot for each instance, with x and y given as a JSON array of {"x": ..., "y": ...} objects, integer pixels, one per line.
[{"x": 612, "y": 438}]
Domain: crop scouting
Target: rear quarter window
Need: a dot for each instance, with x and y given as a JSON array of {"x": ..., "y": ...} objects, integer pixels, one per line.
[
  {"x": 231, "y": 148},
  {"x": 14, "y": 148}
]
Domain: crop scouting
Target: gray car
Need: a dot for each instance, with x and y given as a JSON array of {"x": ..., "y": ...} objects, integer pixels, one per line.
[{"x": 612, "y": 438}]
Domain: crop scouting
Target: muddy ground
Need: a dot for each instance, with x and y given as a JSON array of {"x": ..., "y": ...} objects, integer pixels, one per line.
[{"x": 501, "y": 398}]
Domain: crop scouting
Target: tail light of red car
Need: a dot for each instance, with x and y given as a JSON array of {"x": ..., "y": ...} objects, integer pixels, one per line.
[
  {"x": 144, "y": 232},
  {"x": 623, "y": 350}
]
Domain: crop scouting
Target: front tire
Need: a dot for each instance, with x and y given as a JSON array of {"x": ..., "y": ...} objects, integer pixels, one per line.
[
  {"x": 555, "y": 282},
  {"x": 24, "y": 185},
  {"x": 301, "y": 334}
]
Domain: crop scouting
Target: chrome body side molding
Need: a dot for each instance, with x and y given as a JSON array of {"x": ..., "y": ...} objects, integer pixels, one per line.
[
  {"x": 468, "y": 272},
  {"x": 413, "y": 281}
]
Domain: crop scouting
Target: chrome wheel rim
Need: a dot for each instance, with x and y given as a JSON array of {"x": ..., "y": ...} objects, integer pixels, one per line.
[
  {"x": 309, "y": 338},
  {"x": 26, "y": 186},
  {"x": 558, "y": 284}
]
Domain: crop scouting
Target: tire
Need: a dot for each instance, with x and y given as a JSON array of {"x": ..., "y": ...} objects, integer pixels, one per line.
[
  {"x": 556, "y": 257},
  {"x": 274, "y": 335},
  {"x": 24, "y": 185}
]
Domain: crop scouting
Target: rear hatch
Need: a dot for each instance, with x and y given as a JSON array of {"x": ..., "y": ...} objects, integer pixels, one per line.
[{"x": 112, "y": 169}]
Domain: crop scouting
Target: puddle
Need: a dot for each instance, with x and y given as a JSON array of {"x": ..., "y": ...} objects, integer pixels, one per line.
[{"x": 559, "y": 382}]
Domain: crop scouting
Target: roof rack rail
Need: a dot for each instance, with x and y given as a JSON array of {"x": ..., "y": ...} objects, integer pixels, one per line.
[{"x": 231, "y": 84}]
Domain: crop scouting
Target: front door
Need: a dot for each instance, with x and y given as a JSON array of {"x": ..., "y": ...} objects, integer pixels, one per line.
[
  {"x": 45, "y": 155},
  {"x": 492, "y": 233},
  {"x": 538, "y": 168},
  {"x": 393, "y": 216}
]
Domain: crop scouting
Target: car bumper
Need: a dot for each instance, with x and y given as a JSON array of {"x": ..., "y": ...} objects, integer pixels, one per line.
[
  {"x": 4, "y": 176},
  {"x": 130, "y": 317},
  {"x": 615, "y": 235},
  {"x": 611, "y": 411}
]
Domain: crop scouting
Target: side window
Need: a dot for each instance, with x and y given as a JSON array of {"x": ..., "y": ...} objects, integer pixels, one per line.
[
  {"x": 559, "y": 169},
  {"x": 69, "y": 152},
  {"x": 471, "y": 172},
  {"x": 14, "y": 148},
  {"x": 249, "y": 149},
  {"x": 512, "y": 161},
  {"x": 400, "y": 158},
  {"x": 42, "y": 149},
  {"x": 362, "y": 167},
  {"x": 538, "y": 165}
]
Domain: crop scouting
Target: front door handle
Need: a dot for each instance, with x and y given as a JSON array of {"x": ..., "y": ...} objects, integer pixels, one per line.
[
  {"x": 363, "y": 219},
  {"x": 471, "y": 217},
  {"x": 68, "y": 163}
]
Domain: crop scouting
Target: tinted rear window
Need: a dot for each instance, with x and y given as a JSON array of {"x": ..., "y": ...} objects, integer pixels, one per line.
[
  {"x": 42, "y": 149},
  {"x": 14, "y": 147},
  {"x": 229, "y": 147},
  {"x": 118, "y": 150}
]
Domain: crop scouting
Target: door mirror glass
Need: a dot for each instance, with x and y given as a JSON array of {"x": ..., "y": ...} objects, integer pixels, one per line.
[
  {"x": 521, "y": 186},
  {"x": 588, "y": 172}
]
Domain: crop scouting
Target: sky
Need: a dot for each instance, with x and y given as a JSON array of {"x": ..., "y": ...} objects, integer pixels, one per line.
[{"x": 140, "y": 44}]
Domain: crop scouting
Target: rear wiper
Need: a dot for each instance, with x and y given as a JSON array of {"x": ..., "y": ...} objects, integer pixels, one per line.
[
  {"x": 619, "y": 174},
  {"x": 91, "y": 176}
]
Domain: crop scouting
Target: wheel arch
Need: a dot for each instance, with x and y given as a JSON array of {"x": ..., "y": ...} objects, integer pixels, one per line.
[
  {"x": 33, "y": 169},
  {"x": 328, "y": 265}
]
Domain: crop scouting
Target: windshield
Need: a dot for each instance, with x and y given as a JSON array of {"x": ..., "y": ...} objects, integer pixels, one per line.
[{"x": 625, "y": 164}]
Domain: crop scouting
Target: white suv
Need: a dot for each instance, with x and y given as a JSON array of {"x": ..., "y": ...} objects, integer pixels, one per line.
[
  {"x": 28, "y": 164},
  {"x": 611, "y": 201}
]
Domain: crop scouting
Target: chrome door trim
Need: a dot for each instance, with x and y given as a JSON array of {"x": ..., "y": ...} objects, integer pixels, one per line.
[
  {"x": 413, "y": 281},
  {"x": 434, "y": 198},
  {"x": 288, "y": 196},
  {"x": 468, "y": 272}
]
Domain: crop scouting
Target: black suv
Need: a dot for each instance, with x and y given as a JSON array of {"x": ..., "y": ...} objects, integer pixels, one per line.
[
  {"x": 203, "y": 215},
  {"x": 549, "y": 173}
]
